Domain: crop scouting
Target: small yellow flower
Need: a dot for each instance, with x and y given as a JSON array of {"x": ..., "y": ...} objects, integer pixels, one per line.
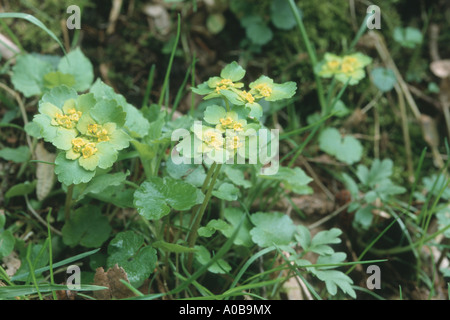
[
  {"x": 237, "y": 126},
  {"x": 226, "y": 122},
  {"x": 213, "y": 139},
  {"x": 234, "y": 142},
  {"x": 333, "y": 64},
  {"x": 347, "y": 68},
  {"x": 89, "y": 150},
  {"x": 78, "y": 143},
  {"x": 263, "y": 89},
  {"x": 74, "y": 115},
  {"x": 102, "y": 135},
  {"x": 92, "y": 128},
  {"x": 247, "y": 96},
  {"x": 223, "y": 84}
]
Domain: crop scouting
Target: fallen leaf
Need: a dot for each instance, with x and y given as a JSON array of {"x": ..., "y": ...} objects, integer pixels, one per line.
[
  {"x": 111, "y": 279},
  {"x": 11, "y": 263},
  {"x": 45, "y": 173}
]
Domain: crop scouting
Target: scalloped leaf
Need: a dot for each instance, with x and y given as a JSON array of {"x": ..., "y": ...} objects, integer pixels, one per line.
[
  {"x": 28, "y": 74},
  {"x": 156, "y": 196},
  {"x": 87, "y": 227},
  {"x": 127, "y": 251},
  {"x": 70, "y": 172},
  {"x": 76, "y": 64}
]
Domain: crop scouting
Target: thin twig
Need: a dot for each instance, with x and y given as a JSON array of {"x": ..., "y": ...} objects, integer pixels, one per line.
[
  {"x": 22, "y": 110},
  {"x": 41, "y": 220}
]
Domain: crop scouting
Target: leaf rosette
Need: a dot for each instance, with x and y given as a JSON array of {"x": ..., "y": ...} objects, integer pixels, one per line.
[{"x": 88, "y": 131}]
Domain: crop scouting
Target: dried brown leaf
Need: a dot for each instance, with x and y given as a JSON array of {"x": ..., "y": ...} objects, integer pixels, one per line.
[
  {"x": 111, "y": 279},
  {"x": 45, "y": 173}
]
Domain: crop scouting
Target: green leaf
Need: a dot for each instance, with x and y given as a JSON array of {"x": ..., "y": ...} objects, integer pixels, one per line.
[
  {"x": 256, "y": 30},
  {"x": 108, "y": 111},
  {"x": 87, "y": 227},
  {"x": 237, "y": 177},
  {"x": 384, "y": 79},
  {"x": 443, "y": 219},
  {"x": 214, "y": 113},
  {"x": 212, "y": 226},
  {"x": 408, "y": 37},
  {"x": 364, "y": 217},
  {"x": 347, "y": 149},
  {"x": 234, "y": 217},
  {"x": 76, "y": 64},
  {"x": 227, "y": 192},
  {"x": 28, "y": 74},
  {"x": 55, "y": 79},
  {"x": 126, "y": 249},
  {"x": 339, "y": 109},
  {"x": 281, "y": 15},
  {"x": 334, "y": 279},
  {"x": 271, "y": 229},
  {"x": 303, "y": 237},
  {"x": 334, "y": 258},
  {"x": 320, "y": 242},
  {"x": 351, "y": 185},
  {"x": 232, "y": 71},
  {"x": 191, "y": 173},
  {"x": 70, "y": 172},
  {"x": 18, "y": 155},
  {"x": 379, "y": 171},
  {"x": 202, "y": 256},
  {"x": 7, "y": 241},
  {"x": 135, "y": 121},
  {"x": 2, "y": 219},
  {"x": 99, "y": 183},
  {"x": 21, "y": 189},
  {"x": 155, "y": 197},
  {"x": 294, "y": 179},
  {"x": 58, "y": 96},
  {"x": 438, "y": 182}
]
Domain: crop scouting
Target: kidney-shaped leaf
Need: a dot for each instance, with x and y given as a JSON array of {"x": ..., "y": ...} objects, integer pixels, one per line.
[{"x": 156, "y": 196}]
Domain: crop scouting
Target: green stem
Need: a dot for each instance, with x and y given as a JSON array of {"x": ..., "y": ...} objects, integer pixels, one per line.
[
  {"x": 68, "y": 202},
  {"x": 169, "y": 68},
  {"x": 193, "y": 232},
  {"x": 311, "y": 54}
]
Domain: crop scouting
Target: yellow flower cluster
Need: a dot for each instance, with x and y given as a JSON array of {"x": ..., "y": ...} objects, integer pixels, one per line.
[{"x": 68, "y": 120}]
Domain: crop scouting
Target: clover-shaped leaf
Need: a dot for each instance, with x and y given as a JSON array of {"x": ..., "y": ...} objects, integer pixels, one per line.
[
  {"x": 127, "y": 250},
  {"x": 156, "y": 196}
]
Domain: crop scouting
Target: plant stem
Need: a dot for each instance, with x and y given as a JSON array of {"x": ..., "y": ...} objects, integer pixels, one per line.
[
  {"x": 311, "y": 54},
  {"x": 68, "y": 202},
  {"x": 193, "y": 232},
  {"x": 169, "y": 68}
]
